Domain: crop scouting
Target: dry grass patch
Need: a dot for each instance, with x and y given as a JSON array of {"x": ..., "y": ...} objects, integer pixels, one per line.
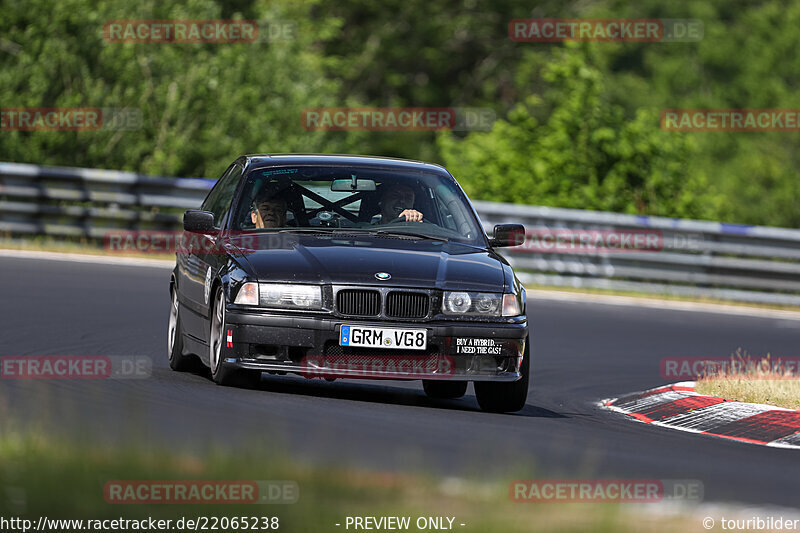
[{"x": 765, "y": 380}]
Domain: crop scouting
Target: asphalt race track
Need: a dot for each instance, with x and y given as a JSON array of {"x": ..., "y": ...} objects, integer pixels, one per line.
[{"x": 582, "y": 353}]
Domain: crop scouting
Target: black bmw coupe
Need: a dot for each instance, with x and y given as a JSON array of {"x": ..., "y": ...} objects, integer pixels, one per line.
[{"x": 338, "y": 266}]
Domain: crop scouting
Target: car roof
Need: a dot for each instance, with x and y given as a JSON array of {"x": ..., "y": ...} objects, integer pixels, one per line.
[{"x": 269, "y": 160}]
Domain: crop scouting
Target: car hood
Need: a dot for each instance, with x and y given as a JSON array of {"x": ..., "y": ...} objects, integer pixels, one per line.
[{"x": 355, "y": 260}]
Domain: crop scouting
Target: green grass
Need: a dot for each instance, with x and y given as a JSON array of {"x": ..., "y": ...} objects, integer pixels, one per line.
[{"x": 41, "y": 475}]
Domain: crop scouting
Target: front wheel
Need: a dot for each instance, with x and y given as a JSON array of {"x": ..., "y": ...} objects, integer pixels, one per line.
[
  {"x": 221, "y": 374},
  {"x": 506, "y": 397},
  {"x": 177, "y": 361}
]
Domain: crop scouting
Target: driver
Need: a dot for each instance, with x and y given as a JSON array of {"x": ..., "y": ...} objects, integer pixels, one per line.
[
  {"x": 397, "y": 201},
  {"x": 268, "y": 210}
]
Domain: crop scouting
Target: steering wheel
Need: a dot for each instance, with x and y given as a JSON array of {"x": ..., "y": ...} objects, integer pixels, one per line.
[{"x": 397, "y": 220}]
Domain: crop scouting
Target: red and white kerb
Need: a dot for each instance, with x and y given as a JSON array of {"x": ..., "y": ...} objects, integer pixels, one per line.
[{"x": 678, "y": 406}]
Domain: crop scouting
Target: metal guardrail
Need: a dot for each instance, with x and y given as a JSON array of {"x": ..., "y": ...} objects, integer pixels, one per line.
[
  {"x": 698, "y": 258},
  {"x": 82, "y": 202}
]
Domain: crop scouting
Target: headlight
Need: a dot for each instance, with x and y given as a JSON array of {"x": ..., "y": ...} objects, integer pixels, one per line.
[
  {"x": 487, "y": 304},
  {"x": 457, "y": 303},
  {"x": 248, "y": 294},
  {"x": 483, "y": 303},
  {"x": 291, "y": 296},
  {"x": 472, "y": 303}
]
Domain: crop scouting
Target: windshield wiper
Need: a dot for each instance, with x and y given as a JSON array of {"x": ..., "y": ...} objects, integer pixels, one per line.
[
  {"x": 326, "y": 231},
  {"x": 366, "y": 231},
  {"x": 409, "y": 234},
  {"x": 306, "y": 230}
]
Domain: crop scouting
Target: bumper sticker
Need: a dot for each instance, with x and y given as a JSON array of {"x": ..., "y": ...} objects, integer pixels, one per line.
[{"x": 474, "y": 346}]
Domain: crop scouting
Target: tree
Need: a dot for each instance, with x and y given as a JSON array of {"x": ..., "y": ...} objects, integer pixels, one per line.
[
  {"x": 202, "y": 105},
  {"x": 572, "y": 148}
]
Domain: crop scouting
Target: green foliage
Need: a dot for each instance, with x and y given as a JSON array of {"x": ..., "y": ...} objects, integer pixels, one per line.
[
  {"x": 202, "y": 104},
  {"x": 572, "y": 148},
  {"x": 579, "y": 124}
]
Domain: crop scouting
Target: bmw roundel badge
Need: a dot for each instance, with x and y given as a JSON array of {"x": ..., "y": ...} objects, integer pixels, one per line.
[{"x": 383, "y": 276}]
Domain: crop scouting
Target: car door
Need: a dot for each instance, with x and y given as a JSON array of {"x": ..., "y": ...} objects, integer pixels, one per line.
[{"x": 198, "y": 266}]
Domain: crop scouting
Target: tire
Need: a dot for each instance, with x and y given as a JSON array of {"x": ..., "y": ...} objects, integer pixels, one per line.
[
  {"x": 221, "y": 374},
  {"x": 444, "y": 390},
  {"x": 506, "y": 397},
  {"x": 177, "y": 360}
]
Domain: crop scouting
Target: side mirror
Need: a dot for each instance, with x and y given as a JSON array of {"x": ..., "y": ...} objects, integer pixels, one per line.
[
  {"x": 199, "y": 221},
  {"x": 508, "y": 235}
]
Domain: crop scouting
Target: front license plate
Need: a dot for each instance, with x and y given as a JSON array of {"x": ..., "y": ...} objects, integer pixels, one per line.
[{"x": 404, "y": 339}]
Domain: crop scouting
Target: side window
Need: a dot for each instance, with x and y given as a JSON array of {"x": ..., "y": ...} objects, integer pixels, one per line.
[
  {"x": 447, "y": 217},
  {"x": 219, "y": 199}
]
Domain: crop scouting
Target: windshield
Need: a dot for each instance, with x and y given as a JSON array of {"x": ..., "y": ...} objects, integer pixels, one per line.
[{"x": 379, "y": 201}]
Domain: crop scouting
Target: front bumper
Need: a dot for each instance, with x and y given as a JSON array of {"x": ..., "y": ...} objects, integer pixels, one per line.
[{"x": 309, "y": 346}]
